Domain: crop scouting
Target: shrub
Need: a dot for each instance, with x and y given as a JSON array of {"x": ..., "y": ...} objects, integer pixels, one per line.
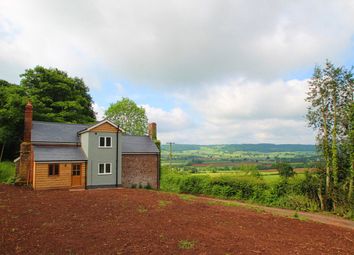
[
  {"x": 238, "y": 186},
  {"x": 222, "y": 191},
  {"x": 297, "y": 193},
  {"x": 194, "y": 184},
  {"x": 170, "y": 180},
  {"x": 7, "y": 171},
  {"x": 297, "y": 202},
  {"x": 285, "y": 170}
]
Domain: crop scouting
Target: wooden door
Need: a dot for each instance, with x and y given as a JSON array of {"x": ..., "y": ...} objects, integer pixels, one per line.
[{"x": 76, "y": 175}]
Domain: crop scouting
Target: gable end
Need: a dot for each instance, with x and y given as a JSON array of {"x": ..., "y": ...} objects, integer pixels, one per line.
[{"x": 105, "y": 127}]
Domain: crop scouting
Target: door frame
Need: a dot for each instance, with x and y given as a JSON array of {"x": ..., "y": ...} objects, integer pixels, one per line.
[{"x": 77, "y": 176}]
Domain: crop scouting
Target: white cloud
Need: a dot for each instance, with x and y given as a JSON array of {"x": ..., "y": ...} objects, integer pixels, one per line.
[
  {"x": 244, "y": 99},
  {"x": 244, "y": 111},
  {"x": 204, "y": 45},
  {"x": 173, "y": 42},
  {"x": 175, "y": 120},
  {"x": 99, "y": 111}
]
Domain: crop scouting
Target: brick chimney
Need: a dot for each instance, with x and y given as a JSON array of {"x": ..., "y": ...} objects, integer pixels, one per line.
[
  {"x": 152, "y": 131},
  {"x": 28, "y": 122},
  {"x": 24, "y": 172}
]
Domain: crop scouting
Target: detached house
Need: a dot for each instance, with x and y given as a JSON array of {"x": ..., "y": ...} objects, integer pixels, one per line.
[{"x": 57, "y": 155}]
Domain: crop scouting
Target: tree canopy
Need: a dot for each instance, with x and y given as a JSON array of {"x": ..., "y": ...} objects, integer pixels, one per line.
[
  {"x": 12, "y": 103},
  {"x": 285, "y": 170},
  {"x": 130, "y": 117},
  {"x": 57, "y": 97},
  {"x": 330, "y": 98}
]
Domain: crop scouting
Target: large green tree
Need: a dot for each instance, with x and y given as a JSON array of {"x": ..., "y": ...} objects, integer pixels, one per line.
[
  {"x": 130, "y": 117},
  {"x": 57, "y": 97},
  {"x": 330, "y": 97},
  {"x": 12, "y": 102}
]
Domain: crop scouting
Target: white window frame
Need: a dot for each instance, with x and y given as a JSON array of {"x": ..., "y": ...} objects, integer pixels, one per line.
[
  {"x": 104, "y": 168},
  {"x": 105, "y": 142}
]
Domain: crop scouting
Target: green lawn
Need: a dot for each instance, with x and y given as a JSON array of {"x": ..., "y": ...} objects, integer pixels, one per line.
[{"x": 7, "y": 171}]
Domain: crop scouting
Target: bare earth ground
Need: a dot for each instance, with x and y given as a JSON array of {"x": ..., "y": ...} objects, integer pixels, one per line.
[{"x": 127, "y": 221}]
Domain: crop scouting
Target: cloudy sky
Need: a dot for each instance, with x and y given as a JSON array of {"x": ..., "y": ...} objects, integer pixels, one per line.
[{"x": 207, "y": 71}]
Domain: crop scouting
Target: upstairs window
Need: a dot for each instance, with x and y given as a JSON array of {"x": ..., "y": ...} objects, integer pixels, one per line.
[
  {"x": 105, "y": 142},
  {"x": 104, "y": 168},
  {"x": 53, "y": 169}
]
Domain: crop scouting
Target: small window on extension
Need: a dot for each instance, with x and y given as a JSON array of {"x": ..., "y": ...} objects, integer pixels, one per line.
[{"x": 53, "y": 169}]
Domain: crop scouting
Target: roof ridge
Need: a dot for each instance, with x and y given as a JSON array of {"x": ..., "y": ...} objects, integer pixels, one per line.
[
  {"x": 60, "y": 123},
  {"x": 136, "y": 135}
]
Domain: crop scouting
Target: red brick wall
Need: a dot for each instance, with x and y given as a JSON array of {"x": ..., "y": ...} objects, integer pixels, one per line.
[{"x": 140, "y": 169}]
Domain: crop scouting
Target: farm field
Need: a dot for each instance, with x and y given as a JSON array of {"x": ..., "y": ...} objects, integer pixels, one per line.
[
  {"x": 238, "y": 158},
  {"x": 130, "y": 221},
  {"x": 234, "y": 155},
  {"x": 268, "y": 176}
]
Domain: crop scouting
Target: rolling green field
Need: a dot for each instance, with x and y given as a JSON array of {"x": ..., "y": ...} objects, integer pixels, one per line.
[{"x": 234, "y": 157}]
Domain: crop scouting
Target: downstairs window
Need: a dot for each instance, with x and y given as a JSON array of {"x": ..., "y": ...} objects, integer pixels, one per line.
[
  {"x": 104, "y": 168},
  {"x": 53, "y": 169}
]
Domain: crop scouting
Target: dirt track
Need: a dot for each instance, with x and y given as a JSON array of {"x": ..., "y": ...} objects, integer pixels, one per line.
[{"x": 127, "y": 221}]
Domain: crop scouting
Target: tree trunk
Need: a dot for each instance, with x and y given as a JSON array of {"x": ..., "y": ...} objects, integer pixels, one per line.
[
  {"x": 320, "y": 196},
  {"x": 334, "y": 153},
  {"x": 2, "y": 151},
  {"x": 350, "y": 190},
  {"x": 326, "y": 157},
  {"x": 334, "y": 145},
  {"x": 351, "y": 176}
]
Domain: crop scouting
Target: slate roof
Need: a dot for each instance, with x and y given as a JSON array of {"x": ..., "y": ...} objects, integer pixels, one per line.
[
  {"x": 58, "y": 153},
  {"x": 52, "y": 132},
  {"x": 56, "y": 132},
  {"x": 138, "y": 144}
]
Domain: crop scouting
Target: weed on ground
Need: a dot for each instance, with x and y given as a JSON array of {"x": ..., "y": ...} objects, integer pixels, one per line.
[
  {"x": 186, "y": 244},
  {"x": 164, "y": 203},
  {"x": 142, "y": 209},
  {"x": 186, "y": 197}
]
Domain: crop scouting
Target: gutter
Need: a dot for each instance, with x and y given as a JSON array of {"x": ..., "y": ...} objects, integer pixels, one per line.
[
  {"x": 117, "y": 145},
  {"x": 86, "y": 165},
  {"x": 158, "y": 170}
]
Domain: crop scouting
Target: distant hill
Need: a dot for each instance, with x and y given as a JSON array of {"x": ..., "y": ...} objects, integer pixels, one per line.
[{"x": 261, "y": 147}]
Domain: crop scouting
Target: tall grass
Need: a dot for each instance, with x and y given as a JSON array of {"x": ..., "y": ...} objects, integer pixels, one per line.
[{"x": 7, "y": 171}]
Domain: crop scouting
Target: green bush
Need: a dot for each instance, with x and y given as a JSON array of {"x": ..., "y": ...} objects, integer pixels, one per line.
[
  {"x": 170, "y": 180},
  {"x": 296, "y": 202},
  {"x": 7, "y": 171},
  {"x": 297, "y": 193},
  {"x": 222, "y": 191},
  {"x": 285, "y": 170},
  {"x": 194, "y": 184}
]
